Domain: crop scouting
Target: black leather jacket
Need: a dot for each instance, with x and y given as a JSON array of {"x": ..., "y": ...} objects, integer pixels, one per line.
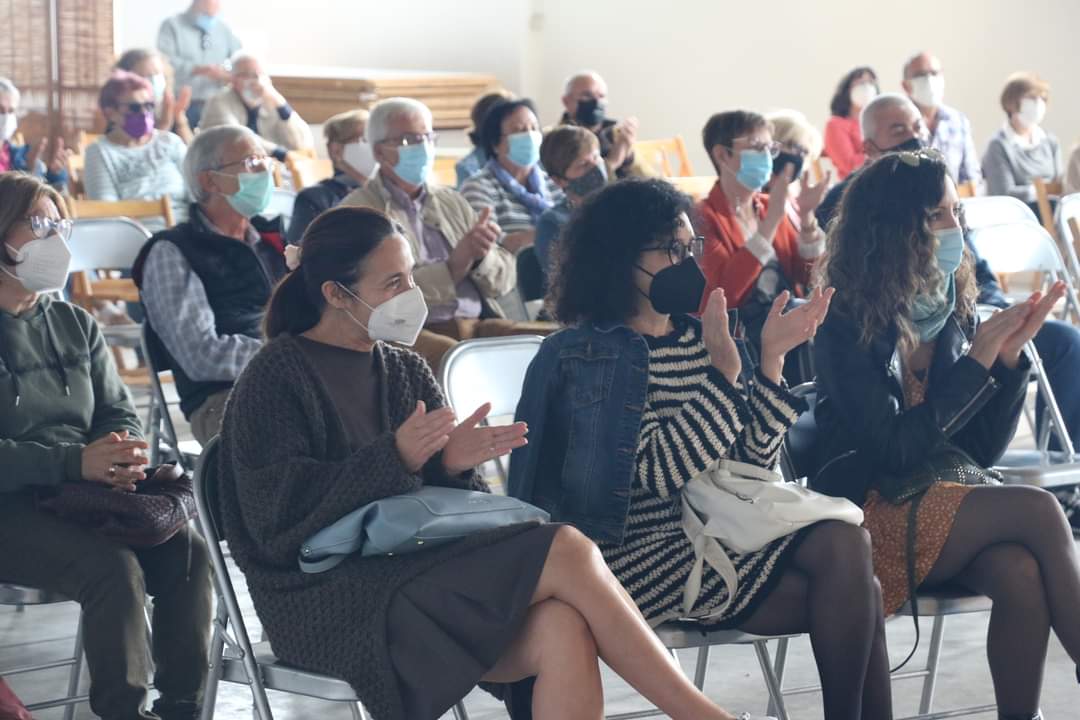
[{"x": 864, "y": 431}]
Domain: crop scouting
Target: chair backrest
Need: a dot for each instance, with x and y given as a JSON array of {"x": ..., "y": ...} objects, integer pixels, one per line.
[
  {"x": 996, "y": 210},
  {"x": 656, "y": 154},
  {"x": 205, "y": 485},
  {"x": 445, "y": 171},
  {"x": 138, "y": 209},
  {"x": 967, "y": 189},
  {"x": 106, "y": 243},
  {"x": 1043, "y": 191},
  {"x": 488, "y": 370},
  {"x": 1068, "y": 213},
  {"x": 696, "y": 186},
  {"x": 798, "y": 459},
  {"x": 1017, "y": 247},
  {"x": 282, "y": 202},
  {"x": 307, "y": 171}
]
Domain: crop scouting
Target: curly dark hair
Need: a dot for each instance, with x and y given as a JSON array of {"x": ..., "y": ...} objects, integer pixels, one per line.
[
  {"x": 593, "y": 278},
  {"x": 491, "y": 130},
  {"x": 840, "y": 105},
  {"x": 880, "y": 254}
]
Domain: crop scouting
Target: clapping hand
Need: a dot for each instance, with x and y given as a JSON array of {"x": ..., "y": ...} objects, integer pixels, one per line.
[
  {"x": 474, "y": 245},
  {"x": 470, "y": 445},
  {"x": 785, "y": 331},
  {"x": 810, "y": 195},
  {"x": 1038, "y": 307},
  {"x": 723, "y": 352},
  {"x": 422, "y": 435}
]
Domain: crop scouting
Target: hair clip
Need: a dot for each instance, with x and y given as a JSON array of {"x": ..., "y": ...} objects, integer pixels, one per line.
[{"x": 292, "y": 256}]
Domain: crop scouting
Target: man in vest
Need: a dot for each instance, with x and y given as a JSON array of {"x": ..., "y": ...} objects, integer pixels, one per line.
[{"x": 206, "y": 282}]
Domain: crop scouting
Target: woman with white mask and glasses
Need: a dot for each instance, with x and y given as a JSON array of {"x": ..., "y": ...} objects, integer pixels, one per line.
[
  {"x": 67, "y": 418},
  {"x": 843, "y": 136},
  {"x": 512, "y": 184},
  {"x": 354, "y": 163},
  {"x": 51, "y": 166},
  {"x": 1022, "y": 150},
  {"x": 330, "y": 416}
]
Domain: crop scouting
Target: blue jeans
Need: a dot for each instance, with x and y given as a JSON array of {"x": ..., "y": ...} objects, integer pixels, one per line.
[{"x": 1058, "y": 344}]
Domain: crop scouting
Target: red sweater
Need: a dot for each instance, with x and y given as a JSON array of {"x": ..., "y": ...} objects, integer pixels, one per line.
[
  {"x": 728, "y": 264},
  {"x": 843, "y": 145}
]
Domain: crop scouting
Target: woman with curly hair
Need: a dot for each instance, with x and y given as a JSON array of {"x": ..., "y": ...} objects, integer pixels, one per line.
[
  {"x": 917, "y": 398},
  {"x": 637, "y": 397}
]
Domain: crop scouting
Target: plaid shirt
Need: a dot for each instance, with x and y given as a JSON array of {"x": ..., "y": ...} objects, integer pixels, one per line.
[{"x": 953, "y": 139}]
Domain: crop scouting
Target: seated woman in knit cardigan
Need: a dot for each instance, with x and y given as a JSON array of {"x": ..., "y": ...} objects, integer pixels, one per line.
[
  {"x": 328, "y": 417},
  {"x": 637, "y": 397}
]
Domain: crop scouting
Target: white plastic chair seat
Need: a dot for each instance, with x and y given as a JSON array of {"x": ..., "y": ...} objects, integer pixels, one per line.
[
  {"x": 983, "y": 211},
  {"x": 948, "y": 602},
  {"x": 106, "y": 243},
  {"x": 11, "y": 594},
  {"x": 286, "y": 678},
  {"x": 1017, "y": 247},
  {"x": 687, "y": 634},
  {"x": 488, "y": 370},
  {"x": 281, "y": 203}
]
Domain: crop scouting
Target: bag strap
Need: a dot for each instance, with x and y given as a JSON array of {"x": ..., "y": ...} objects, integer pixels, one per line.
[
  {"x": 912, "y": 533},
  {"x": 706, "y": 549},
  {"x": 748, "y": 470},
  {"x": 318, "y": 566}
]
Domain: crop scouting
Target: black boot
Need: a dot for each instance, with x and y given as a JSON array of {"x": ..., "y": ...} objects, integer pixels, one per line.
[{"x": 1025, "y": 716}]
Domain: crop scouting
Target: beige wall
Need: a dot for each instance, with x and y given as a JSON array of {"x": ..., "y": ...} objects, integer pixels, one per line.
[{"x": 673, "y": 63}]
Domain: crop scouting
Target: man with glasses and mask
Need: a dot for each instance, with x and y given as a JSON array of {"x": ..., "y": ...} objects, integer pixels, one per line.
[
  {"x": 950, "y": 129},
  {"x": 890, "y": 123},
  {"x": 462, "y": 267},
  {"x": 206, "y": 282},
  {"x": 753, "y": 251},
  {"x": 585, "y": 104}
]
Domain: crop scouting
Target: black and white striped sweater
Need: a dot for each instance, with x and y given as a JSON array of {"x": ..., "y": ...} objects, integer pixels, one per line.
[{"x": 694, "y": 417}]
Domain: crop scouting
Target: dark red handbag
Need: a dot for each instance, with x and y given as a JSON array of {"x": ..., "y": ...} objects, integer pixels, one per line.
[
  {"x": 160, "y": 506},
  {"x": 11, "y": 708}
]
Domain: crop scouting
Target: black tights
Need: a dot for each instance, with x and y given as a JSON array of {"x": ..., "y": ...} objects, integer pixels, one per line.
[
  {"x": 830, "y": 591},
  {"x": 1014, "y": 545}
]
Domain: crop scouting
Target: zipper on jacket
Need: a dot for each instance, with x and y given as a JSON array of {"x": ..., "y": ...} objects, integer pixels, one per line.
[{"x": 967, "y": 406}]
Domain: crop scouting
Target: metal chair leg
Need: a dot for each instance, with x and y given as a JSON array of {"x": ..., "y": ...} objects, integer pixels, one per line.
[
  {"x": 930, "y": 682},
  {"x": 460, "y": 713},
  {"x": 214, "y": 670},
  {"x": 773, "y": 685},
  {"x": 75, "y": 674},
  {"x": 358, "y": 711},
  {"x": 702, "y": 667},
  {"x": 779, "y": 666}
]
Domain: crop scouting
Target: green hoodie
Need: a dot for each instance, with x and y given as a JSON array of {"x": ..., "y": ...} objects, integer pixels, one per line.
[{"x": 59, "y": 390}]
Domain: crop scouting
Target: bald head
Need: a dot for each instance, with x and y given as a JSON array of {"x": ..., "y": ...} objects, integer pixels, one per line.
[
  {"x": 584, "y": 86},
  {"x": 889, "y": 120}
]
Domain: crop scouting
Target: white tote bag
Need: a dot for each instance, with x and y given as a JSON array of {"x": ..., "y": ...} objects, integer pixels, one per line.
[{"x": 745, "y": 507}]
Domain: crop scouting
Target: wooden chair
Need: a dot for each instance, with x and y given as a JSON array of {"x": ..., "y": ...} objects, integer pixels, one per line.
[
  {"x": 967, "y": 189},
  {"x": 696, "y": 186},
  {"x": 135, "y": 209},
  {"x": 656, "y": 154},
  {"x": 444, "y": 171},
  {"x": 84, "y": 140},
  {"x": 307, "y": 171},
  {"x": 1043, "y": 191}
]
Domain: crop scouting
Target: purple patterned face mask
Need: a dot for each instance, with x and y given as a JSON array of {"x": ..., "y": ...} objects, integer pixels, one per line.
[{"x": 138, "y": 125}]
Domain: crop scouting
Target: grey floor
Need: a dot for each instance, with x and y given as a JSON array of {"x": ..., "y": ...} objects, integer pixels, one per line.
[{"x": 45, "y": 633}]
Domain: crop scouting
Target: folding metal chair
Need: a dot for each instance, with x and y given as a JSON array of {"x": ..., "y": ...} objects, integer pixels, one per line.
[
  {"x": 281, "y": 203},
  {"x": 21, "y": 596},
  {"x": 1068, "y": 213},
  {"x": 233, "y": 658},
  {"x": 161, "y": 432},
  {"x": 987, "y": 210}
]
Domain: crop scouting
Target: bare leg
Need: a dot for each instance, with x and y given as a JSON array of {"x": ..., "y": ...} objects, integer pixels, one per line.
[
  {"x": 1028, "y": 517},
  {"x": 830, "y": 592},
  {"x": 576, "y": 574},
  {"x": 557, "y": 647}
]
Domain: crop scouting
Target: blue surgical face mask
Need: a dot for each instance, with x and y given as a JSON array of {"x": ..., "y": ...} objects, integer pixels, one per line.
[
  {"x": 254, "y": 194},
  {"x": 950, "y": 249},
  {"x": 414, "y": 163},
  {"x": 523, "y": 148},
  {"x": 931, "y": 312},
  {"x": 205, "y": 22},
  {"x": 755, "y": 168}
]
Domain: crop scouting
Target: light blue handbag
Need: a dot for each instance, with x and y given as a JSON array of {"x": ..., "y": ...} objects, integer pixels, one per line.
[{"x": 428, "y": 517}]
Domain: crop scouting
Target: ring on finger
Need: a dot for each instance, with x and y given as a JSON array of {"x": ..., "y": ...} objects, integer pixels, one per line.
[{"x": 111, "y": 472}]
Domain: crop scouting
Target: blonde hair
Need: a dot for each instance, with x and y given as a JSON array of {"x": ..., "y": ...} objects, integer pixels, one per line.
[
  {"x": 349, "y": 124},
  {"x": 19, "y": 193},
  {"x": 791, "y": 126}
]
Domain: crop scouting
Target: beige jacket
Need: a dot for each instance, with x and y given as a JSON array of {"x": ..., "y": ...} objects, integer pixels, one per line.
[
  {"x": 447, "y": 210},
  {"x": 227, "y": 108}
]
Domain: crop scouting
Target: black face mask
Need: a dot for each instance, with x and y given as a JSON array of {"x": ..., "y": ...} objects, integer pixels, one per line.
[
  {"x": 786, "y": 158},
  {"x": 677, "y": 290},
  {"x": 589, "y": 113},
  {"x": 913, "y": 144}
]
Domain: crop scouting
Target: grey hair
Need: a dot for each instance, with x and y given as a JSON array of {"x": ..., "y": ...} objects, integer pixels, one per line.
[
  {"x": 869, "y": 115},
  {"x": 378, "y": 124},
  {"x": 911, "y": 61},
  {"x": 240, "y": 56},
  {"x": 205, "y": 152},
  {"x": 577, "y": 76},
  {"x": 8, "y": 88}
]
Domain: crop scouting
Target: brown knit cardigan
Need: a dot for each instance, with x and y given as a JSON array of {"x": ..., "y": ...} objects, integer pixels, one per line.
[{"x": 286, "y": 472}]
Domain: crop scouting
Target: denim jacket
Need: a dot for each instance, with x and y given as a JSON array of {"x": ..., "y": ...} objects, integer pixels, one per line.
[{"x": 583, "y": 398}]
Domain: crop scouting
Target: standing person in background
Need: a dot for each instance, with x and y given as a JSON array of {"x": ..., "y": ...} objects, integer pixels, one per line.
[
  {"x": 472, "y": 163},
  {"x": 198, "y": 45},
  {"x": 843, "y": 138},
  {"x": 171, "y": 103},
  {"x": 950, "y": 129},
  {"x": 23, "y": 157},
  {"x": 585, "y": 104}
]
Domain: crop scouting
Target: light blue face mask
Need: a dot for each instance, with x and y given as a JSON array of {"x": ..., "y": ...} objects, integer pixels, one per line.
[
  {"x": 950, "y": 249},
  {"x": 205, "y": 22},
  {"x": 414, "y": 163},
  {"x": 254, "y": 194},
  {"x": 929, "y": 313},
  {"x": 523, "y": 148},
  {"x": 755, "y": 168}
]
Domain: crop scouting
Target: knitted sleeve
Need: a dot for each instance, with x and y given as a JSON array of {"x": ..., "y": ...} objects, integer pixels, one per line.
[{"x": 772, "y": 411}]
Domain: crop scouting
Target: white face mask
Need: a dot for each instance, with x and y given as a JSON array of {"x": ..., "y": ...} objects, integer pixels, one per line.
[
  {"x": 157, "y": 84},
  {"x": 251, "y": 94},
  {"x": 862, "y": 94},
  {"x": 928, "y": 90},
  {"x": 399, "y": 320},
  {"x": 1032, "y": 111},
  {"x": 7, "y": 126},
  {"x": 41, "y": 265},
  {"x": 360, "y": 158}
]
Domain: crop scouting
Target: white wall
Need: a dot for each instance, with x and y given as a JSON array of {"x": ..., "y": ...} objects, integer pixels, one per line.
[{"x": 673, "y": 63}]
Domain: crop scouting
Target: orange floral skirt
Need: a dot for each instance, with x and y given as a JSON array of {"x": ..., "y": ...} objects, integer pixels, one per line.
[{"x": 888, "y": 525}]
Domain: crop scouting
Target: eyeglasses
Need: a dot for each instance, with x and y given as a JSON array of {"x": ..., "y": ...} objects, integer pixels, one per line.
[
  {"x": 773, "y": 148},
  {"x": 252, "y": 163},
  {"x": 411, "y": 139},
  {"x": 678, "y": 250},
  {"x": 138, "y": 108},
  {"x": 43, "y": 227}
]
